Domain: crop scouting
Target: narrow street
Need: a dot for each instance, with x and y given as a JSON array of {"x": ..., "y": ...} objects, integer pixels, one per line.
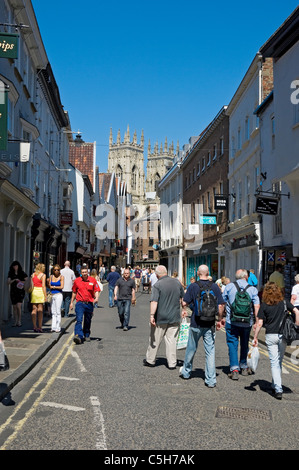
[{"x": 99, "y": 396}]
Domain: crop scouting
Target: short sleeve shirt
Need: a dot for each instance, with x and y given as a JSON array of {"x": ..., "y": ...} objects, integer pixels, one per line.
[
  {"x": 85, "y": 290},
  {"x": 272, "y": 315},
  {"x": 112, "y": 277},
  {"x": 277, "y": 277},
  {"x": 191, "y": 299},
  {"x": 295, "y": 291},
  {"x": 125, "y": 288},
  {"x": 167, "y": 292},
  {"x": 229, "y": 297}
]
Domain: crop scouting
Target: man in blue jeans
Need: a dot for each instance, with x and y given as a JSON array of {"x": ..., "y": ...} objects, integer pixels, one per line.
[
  {"x": 200, "y": 328},
  {"x": 236, "y": 331},
  {"x": 124, "y": 293},
  {"x": 86, "y": 292},
  {"x": 111, "y": 279}
]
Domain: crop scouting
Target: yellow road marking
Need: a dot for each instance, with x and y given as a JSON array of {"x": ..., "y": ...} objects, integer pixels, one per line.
[
  {"x": 285, "y": 362},
  {"x": 22, "y": 422}
]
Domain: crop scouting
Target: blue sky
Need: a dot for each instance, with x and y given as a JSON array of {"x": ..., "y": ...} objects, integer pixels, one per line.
[{"x": 164, "y": 66}]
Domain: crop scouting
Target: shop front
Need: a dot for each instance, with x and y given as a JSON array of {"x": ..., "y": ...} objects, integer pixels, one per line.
[
  {"x": 207, "y": 255},
  {"x": 282, "y": 255}
]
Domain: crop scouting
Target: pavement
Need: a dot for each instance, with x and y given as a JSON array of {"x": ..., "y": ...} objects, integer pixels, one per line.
[{"x": 25, "y": 348}]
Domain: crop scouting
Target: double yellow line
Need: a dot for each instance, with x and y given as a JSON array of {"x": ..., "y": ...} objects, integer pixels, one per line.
[
  {"x": 286, "y": 362},
  {"x": 19, "y": 425}
]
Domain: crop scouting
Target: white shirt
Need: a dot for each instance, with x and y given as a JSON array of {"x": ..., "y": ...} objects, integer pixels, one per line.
[
  {"x": 295, "y": 291},
  {"x": 153, "y": 279},
  {"x": 69, "y": 277}
]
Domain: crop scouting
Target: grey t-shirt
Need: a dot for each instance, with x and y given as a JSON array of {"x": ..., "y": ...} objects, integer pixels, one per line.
[
  {"x": 167, "y": 291},
  {"x": 125, "y": 288}
]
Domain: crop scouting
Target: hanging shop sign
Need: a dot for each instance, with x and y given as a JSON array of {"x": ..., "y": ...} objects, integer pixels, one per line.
[
  {"x": 266, "y": 205},
  {"x": 9, "y": 45},
  {"x": 221, "y": 203},
  {"x": 66, "y": 218}
]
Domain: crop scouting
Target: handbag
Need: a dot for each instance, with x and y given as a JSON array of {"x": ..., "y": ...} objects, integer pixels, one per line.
[
  {"x": 287, "y": 327},
  {"x": 183, "y": 334},
  {"x": 28, "y": 285},
  {"x": 4, "y": 363}
]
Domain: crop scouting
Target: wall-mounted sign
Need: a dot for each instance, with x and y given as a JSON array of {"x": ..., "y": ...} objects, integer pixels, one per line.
[
  {"x": 3, "y": 117},
  {"x": 221, "y": 203},
  {"x": 266, "y": 205},
  {"x": 16, "y": 152},
  {"x": 208, "y": 219},
  {"x": 9, "y": 45},
  {"x": 193, "y": 229},
  {"x": 66, "y": 218}
]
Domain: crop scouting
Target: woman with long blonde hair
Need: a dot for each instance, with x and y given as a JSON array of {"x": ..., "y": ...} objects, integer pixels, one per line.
[
  {"x": 270, "y": 315},
  {"x": 38, "y": 297}
]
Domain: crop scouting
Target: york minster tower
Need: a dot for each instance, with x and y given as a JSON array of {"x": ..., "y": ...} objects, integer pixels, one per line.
[{"x": 126, "y": 160}]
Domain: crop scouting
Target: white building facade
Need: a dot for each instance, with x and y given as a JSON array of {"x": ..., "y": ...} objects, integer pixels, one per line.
[
  {"x": 280, "y": 157},
  {"x": 243, "y": 240},
  {"x": 171, "y": 222}
]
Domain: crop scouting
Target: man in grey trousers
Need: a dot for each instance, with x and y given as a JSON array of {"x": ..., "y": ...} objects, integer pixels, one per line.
[{"x": 165, "y": 317}]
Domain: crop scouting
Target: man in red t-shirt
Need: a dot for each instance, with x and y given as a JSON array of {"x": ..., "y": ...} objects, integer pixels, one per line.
[{"x": 86, "y": 292}]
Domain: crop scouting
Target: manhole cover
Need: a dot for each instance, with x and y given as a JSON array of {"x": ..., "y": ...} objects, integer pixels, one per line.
[{"x": 242, "y": 413}]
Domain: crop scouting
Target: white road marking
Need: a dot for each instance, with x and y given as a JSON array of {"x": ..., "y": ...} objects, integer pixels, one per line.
[
  {"x": 81, "y": 366},
  {"x": 100, "y": 424},
  {"x": 59, "y": 405},
  {"x": 67, "y": 378}
]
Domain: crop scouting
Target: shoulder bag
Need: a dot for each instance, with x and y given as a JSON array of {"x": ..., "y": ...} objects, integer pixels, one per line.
[{"x": 287, "y": 327}]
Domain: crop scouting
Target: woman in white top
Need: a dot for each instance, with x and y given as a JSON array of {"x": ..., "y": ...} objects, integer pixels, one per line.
[{"x": 295, "y": 292}]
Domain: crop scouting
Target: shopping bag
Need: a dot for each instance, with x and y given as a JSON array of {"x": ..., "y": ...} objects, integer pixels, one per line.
[
  {"x": 253, "y": 358},
  {"x": 28, "y": 285},
  {"x": 4, "y": 363},
  {"x": 100, "y": 286},
  {"x": 183, "y": 334}
]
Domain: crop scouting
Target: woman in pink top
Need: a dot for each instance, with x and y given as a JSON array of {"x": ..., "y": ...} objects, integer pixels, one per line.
[{"x": 38, "y": 297}]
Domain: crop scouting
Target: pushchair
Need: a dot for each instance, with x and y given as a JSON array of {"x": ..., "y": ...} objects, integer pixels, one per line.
[{"x": 146, "y": 284}]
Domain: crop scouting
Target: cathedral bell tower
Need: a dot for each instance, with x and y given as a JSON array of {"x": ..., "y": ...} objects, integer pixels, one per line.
[
  {"x": 126, "y": 160},
  {"x": 158, "y": 163}
]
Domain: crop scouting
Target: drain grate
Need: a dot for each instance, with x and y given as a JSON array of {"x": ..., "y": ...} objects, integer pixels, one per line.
[{"x": 243, "y": 413}]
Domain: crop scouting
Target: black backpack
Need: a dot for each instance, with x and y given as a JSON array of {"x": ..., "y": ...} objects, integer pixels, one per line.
[
  {"x": 241, "y": 308},
  {"x": 206, "y": 302}
]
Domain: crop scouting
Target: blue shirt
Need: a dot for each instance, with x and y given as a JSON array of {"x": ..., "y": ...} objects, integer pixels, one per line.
[
  {"x": 191, "y": 297},
  {"x": 252, "y": 280},
  {"x": 229, "y": 296},
  {"x": 112, "y": 278}
]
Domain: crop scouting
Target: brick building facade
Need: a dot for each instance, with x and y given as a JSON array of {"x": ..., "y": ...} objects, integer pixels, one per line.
[
  {"x": 205, "y": 171},
  {"x": 82, "y": 155}
]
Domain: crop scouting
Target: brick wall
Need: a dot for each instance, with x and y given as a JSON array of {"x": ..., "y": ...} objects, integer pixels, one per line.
[
  {"x": 196, "y": 187},
  {"x": 267, "y": 77}
]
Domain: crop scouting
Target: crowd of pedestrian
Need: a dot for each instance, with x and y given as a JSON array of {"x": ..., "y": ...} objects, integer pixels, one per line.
[{"x": 236, "y": 306}]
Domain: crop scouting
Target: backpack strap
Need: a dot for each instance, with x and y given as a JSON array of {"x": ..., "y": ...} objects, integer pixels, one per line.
[
  {"x": 237, "y": 286},
  {"x": 241, "y": 288}
]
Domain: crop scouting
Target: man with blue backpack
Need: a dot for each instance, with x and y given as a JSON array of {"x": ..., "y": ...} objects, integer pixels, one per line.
[
  {"x": 207, "y": 303},
  {"x": 242, "y": 306}
]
